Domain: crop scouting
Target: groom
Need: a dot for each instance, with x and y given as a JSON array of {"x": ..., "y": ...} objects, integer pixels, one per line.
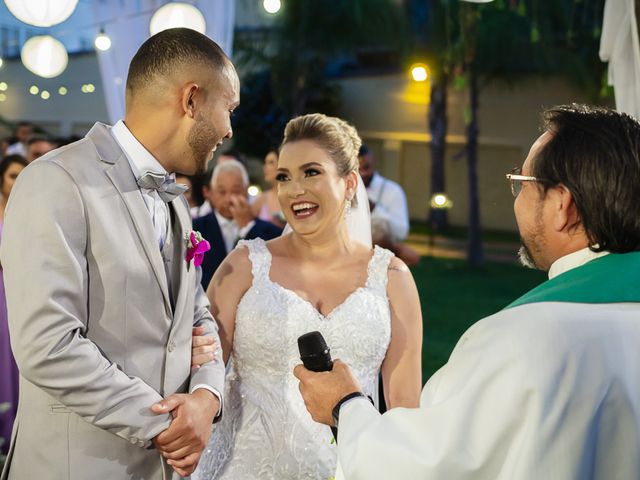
[
  {"x": 101, "y": 299},
  {"x": 550, "y": 386}
]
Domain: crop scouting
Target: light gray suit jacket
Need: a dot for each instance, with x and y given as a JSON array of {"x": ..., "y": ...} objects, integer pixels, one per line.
[{"x": 91, "y": 319}]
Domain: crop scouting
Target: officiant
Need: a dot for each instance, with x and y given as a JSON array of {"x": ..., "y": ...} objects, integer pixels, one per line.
[{"x": 549, "y": 387}]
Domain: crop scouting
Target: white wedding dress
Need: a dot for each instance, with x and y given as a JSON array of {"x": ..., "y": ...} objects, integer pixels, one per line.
[{"x": 266, "y": 431}]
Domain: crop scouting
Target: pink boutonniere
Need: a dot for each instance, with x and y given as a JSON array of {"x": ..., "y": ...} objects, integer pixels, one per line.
[{"x": 197, "y": 246}]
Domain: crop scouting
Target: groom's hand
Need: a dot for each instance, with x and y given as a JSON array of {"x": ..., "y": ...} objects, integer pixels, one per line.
[
  {"x": 321, "y": 391},
  {"x": 185, "y": 439}
]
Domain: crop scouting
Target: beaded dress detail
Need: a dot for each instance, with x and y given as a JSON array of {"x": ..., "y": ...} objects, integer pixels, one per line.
[{"x": 266, "y": 431}]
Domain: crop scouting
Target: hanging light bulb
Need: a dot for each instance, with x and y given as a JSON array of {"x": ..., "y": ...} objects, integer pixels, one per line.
[
  {"x": 272, "y": 6},
  {"x": 102, "y": 41},
  {"x": 177, "y": 14},
  {"x": 45, "y": 56},
  {"x": 41, "y": 13}
]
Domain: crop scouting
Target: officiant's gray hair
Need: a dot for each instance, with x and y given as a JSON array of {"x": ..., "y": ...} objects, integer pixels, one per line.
[
  {"x": 227, "y": 166},
  {"x": 340, "y": 139}
]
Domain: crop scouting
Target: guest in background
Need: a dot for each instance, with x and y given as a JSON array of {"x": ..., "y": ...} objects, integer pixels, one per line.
[
  {"x": 266, "y": 206},
  {"x": 22, "y": 132},
  {"x": 389, "y": 213},
  {"x": 37, "y": 146},
  {"x": 231, "y": 219},
  {"x": 10, "y": 168},
  {"x": 4, "y": 145},
  {"x": 232, "y": 154},
  {"x": 187, "y": 181}
]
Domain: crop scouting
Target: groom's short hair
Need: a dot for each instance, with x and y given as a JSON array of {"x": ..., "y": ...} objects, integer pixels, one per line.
[{"x": 170, "y": 51}]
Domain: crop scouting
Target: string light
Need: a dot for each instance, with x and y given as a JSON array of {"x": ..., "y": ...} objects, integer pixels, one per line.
[
  {"x": 419, "y": 72},
  {"x": 272, "y": 6},
  {"x": 102, "y": 41}
]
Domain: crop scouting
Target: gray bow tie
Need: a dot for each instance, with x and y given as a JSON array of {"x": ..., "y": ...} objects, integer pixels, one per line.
[{"x": 166, "y": 186}]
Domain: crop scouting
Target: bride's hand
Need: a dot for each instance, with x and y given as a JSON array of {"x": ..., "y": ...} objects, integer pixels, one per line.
[{"x": 202, "y": 348}]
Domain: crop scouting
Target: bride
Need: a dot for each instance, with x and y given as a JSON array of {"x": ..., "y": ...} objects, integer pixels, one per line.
[{"x": 316, "y": 277}]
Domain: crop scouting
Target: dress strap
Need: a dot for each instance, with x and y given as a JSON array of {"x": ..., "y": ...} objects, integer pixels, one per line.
[
  {"x": 260, "y": 258},
  {"x": 377, "y": 275}
]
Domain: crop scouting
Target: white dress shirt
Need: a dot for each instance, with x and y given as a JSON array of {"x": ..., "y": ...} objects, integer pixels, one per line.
[
  {"x": 231, "y": 232},
  {"x": 141, "y": 160},
  {"x": 390, "y": 206}
]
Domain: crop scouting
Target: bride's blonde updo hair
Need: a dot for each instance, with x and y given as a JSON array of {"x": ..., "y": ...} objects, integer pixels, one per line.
[{"x": 338, "y": 138}]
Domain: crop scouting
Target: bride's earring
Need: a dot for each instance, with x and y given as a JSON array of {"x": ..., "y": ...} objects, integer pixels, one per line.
[{"x": 347, "y": 208}]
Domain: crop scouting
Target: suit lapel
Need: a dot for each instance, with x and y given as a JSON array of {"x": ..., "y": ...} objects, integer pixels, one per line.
[
  {"x": 180, "y": 228},
  {"x": 123, "y": 180}
]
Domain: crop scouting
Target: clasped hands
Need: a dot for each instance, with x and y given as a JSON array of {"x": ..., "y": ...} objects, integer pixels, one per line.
[{"x": 183, "y": 442}]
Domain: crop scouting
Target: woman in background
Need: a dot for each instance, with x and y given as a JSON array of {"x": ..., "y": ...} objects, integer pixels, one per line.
[
  {"x": 266, "y": 205},
  {"x": 10, "y": 168}
]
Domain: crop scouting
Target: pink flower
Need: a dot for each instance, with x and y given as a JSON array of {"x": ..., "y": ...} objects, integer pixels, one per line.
[{"x": 196, "y": 248}]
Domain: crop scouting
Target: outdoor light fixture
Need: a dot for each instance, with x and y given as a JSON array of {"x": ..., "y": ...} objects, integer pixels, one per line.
[
  {"x": 62, "y": 91},
  {"x": 419, "y": 72},
  {"x": 45, "y": 95},
  {"x": 102, "y": 41},
  {"x": 41, "y": 13},
  {"x": 3, "y": 86},
  {"x": 440, "y": 201},
  {"x": 272, "y": 6},
  {"x": 34, "y": 90},
  {"x": 177, "y": 14},
  {"x": 45, "y": 56}
]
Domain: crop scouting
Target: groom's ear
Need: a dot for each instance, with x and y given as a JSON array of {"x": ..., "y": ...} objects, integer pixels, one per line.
[{"x": 189, "y": 99}]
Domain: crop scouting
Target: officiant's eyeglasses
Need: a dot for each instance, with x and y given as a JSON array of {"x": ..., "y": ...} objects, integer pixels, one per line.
[{"x": 516, "y": 178}]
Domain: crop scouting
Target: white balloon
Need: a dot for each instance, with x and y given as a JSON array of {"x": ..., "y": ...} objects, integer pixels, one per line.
[
  {"x": 41, "y": 13},
  {"x": 177, "y": 14},
  {"x": 45, "y": 56}
]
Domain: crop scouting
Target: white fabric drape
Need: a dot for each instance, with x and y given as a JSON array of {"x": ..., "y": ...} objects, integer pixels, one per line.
[
  {"x": 619, "y": 46},
  {"x": 127, "y": 24}
]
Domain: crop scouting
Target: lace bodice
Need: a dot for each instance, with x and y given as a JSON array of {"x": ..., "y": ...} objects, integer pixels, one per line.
[{"x": 266, "y": 431}]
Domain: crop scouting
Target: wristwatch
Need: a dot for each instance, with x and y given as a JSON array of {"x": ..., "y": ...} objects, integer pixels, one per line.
[{"x": 335, "y": 413}]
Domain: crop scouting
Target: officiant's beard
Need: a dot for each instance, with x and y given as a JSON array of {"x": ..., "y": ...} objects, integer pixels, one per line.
[{"x": 533, "y": 242}]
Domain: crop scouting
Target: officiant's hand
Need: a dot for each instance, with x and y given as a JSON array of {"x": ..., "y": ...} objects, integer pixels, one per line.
[
  {"x": 322, "y": 391},
  {"x": 185, "y": 439},
  {"x": 203, "y": 348},
  {"x": 241, "y": 210}
]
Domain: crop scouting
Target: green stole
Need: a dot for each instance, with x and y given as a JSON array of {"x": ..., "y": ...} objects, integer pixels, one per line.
[{"x": 613, "y": 278}]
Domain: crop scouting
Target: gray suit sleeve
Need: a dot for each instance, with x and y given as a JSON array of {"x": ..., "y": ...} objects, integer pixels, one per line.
[
  {"x": 212, "y": 373},
  {"x": 44, "y": 259}
]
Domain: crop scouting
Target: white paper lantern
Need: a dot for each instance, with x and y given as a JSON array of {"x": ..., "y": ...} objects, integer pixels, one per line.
[
  {"x": 45, "y": 56},
  {"x": 177, "y": 14},
  {"x": 41, "y": 13}
]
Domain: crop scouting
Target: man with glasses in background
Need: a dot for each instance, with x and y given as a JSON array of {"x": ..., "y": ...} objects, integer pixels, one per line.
[{"x": 550, "y": 386}]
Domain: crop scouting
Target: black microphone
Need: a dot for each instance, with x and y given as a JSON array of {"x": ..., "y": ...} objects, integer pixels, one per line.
[
  {"x": 316, "y": 356},
  {"x": 314, "y": 352}
]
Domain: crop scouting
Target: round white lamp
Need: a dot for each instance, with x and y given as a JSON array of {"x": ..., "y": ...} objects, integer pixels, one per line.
[
  {"x": 177, "y": 14},
  {"x": 45, "y": 56},
  {"x": 272, "y": 6},
  {"x": 41, "y": 13},
  {"x": 102, "y": 41}
]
